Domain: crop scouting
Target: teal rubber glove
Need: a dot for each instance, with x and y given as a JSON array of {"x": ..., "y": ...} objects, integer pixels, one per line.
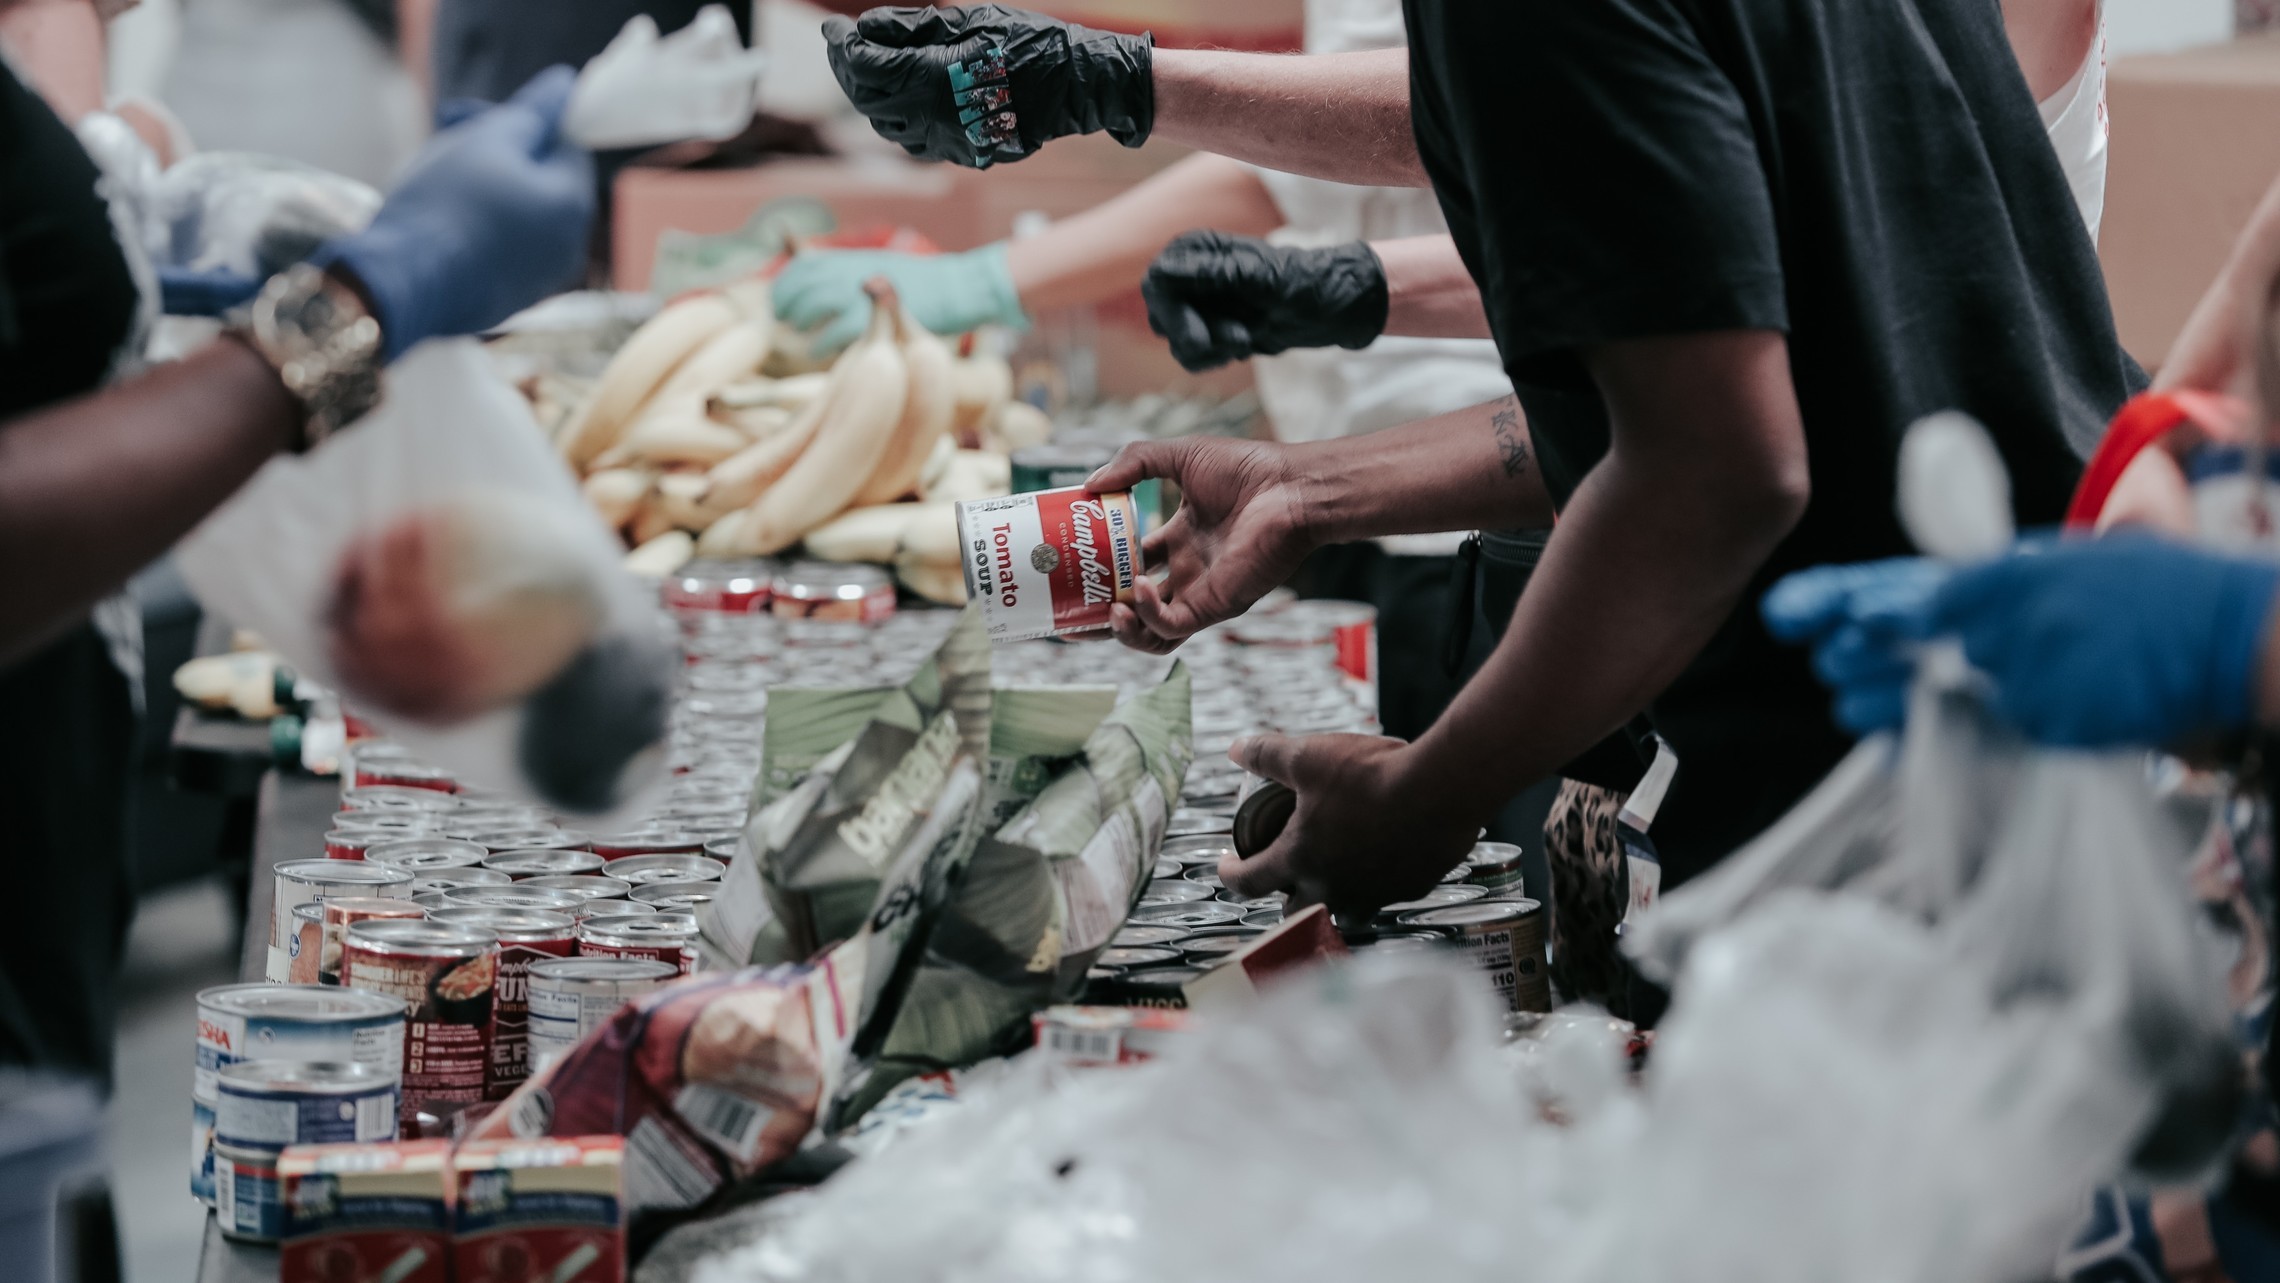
[
  {"x": 822, "y": 290},
  {"x": 492, "y": 217}
]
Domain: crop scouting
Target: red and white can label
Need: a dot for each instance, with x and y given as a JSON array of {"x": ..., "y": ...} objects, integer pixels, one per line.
[
  {"x": 1050, "y": 563},
  {"x": 510, "y": 1013}
]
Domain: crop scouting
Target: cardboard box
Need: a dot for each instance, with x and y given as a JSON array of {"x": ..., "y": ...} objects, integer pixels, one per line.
[
  {"x": 2196, "y": 141},
  {"x": 538, "y": 1209},
  {"x": 367, "y": 1212}
]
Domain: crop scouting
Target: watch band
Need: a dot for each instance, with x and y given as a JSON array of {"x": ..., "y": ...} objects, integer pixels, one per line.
[{"x": 324, "y": 344}]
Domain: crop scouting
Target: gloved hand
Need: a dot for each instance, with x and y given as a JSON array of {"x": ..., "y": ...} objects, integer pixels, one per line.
[
  {"x": 184, "y": 291},
  {"x": 987, "y": 83},
  {"x": 2098, "y": 643},
  {"x": 946, "y": 293},
  {"x": 1221, "y": 298},
  {"x": 491, "y": 218},
  {"x": 1863, "y": 623}
]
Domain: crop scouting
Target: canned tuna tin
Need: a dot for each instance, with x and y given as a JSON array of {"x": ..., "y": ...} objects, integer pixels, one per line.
[
  {"x": 672, "y": 897},
  {"x": 526, "y": 937},
  {"x": 300, "y": 881},
  {"x": 457, "y": 880},
  {"x": 1495, "y": 867},
  {"x": 543, "y": 863},
  {"x": 1204, "y": 851},
  {"x": 1144, "y": 936},
  {"x": 571, "y": 997},
  {"x": 657, "y": 937},
  {"x": 281, "y": 1022},
  {"x": 1173, "y": 891},
  {"x": 1504, "y": 938},
  {"x": 445, "y": 976},
  {"x": 427, "y": 855},
  {"x": 592, "y": 886},
  {"x": 335, "y": 916},
  {"x": 247, "y": 1206},
  {"x": 305, "y": 945},
  {"x": 515, "y": 895},
  {"x": 1049, "y": 563},
  {"x": 648, "y": 870},
  {"x": 269, "y": 1104}
]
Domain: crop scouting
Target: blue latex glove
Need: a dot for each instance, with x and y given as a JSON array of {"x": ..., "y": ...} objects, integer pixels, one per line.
[
  {"x": 946, "y": 293},
  {"x": 2087, "y": 644},
  {"x": 184, "y": 291},
  {"x": 1863, "y": 623},
  {"x": 491, "y": 217}
]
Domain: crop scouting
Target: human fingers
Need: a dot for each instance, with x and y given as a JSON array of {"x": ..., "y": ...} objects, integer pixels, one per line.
[
  {"x": 1271, "y": 870},
  {"x": 1276, "y": 757},
  {"x": 1141, "y": 461},
  {"x": 1170, "y": 622}
]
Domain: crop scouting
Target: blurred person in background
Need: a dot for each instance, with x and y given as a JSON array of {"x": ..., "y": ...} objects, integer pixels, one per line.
[
  {"x": 1311, "y": 392},
  {"x": 104, "y": 464}
]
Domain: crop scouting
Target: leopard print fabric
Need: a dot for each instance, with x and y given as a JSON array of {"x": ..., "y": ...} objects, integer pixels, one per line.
[{"x": 1589, "y": 886}]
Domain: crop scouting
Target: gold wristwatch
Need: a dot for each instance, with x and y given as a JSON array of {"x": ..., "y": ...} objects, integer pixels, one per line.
[{"x": 324, "y": 344}]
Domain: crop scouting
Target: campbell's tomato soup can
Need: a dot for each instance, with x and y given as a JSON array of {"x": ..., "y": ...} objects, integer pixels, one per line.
[
  {"x": 383, "y": 797},
  {"x": 659, "y": 937},
  {"x": 525, "y": 936},
  {"x": 539, "y": 1211},
  {"x": 455, "y": 879},
  {"x": 845, "y": 591},
  {"x": 543, "y": 863},
  {"x": 1353, "y": 629},
  {"x": 371, "y": 1213},
  {"x": 427, "y": 855},
  {"x": 351, "y": 844},
  {"x": 334, "y": 917},
  {"x": 722, "y": 587},
  {"x": 403, "y": 773},
  {"x": 300, "y": 881},
  {"x": 281, "y": 1022},
  {"x": 514, "y": 895},
  {"x": 1050, "y": 563},
  {"x": 446, "y": 975},
  {"x": 644, "y": 870}
]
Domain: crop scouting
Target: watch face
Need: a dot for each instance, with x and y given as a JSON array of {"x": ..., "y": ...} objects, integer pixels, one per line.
[{"x": 312, "y": 313}]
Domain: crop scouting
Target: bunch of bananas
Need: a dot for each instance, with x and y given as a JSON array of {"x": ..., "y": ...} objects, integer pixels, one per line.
[{"x": 712, "y": 434}]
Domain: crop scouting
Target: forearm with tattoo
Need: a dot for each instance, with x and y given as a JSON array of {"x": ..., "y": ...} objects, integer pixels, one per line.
[{"x": 1471, "y": 469}]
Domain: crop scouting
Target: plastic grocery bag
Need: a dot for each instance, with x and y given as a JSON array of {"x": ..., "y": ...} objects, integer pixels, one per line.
[
  {"x": 251, "y": 213},
  {"x": 644, "y": 90},
  {"x": 557, "y": 664}
]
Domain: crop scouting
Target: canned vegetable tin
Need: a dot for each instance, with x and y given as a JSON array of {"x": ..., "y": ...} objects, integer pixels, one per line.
[
  {"x": 446, "y": 976},
  {"x": 1495, "y": 867},
  {"x": 335, "y": 916},
  {"x": 571, "y": 997},
  {"x": 1504, "y": 938},
  {"x": 281, "y": 1022},
  {"x": 658, "y": 937},
  {"x": 300, "y": 881},
  {"x": 526, "y": 937},
  {"x": 591, "y": 886}
]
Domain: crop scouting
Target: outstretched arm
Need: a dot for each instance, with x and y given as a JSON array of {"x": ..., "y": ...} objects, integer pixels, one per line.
[{"x": 1343, "y": 117}]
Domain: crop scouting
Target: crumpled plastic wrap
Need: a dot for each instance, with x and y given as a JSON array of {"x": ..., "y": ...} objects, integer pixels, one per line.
[{"x": 1910, "y": 1067}]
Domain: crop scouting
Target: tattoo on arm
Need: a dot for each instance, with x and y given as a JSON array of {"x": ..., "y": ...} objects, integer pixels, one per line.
[{"x": 1511, "y": 438}]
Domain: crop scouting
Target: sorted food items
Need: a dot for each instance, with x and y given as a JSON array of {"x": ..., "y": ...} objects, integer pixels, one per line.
[
  {"x": 367, "y": 1212},
  {"x": 444, "y": 975},
  {"x": 525, "y": 1210}
]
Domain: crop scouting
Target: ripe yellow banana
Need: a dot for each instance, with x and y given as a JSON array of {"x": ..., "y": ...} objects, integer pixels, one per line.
[
  {"x": 927, "y": 410},
  {"x": 937, "y": 581},
  {"x": 616, "y": 492},
  {"x": 736, "y": 481},
  {"x": 869, "y": 387},
  {"x": 1016, "y": 424},
  {"x": 639, "y": 368},
  {"x": 680, "y": 433},
  {"x": 663, "y": 555},
  {"x": 866, "y": 534},
  {"x": 979, "y": 385},
  {"x": 971, "y": 474},
  {"x": 680, "y": 499},
  {"x": 732, "y": 354}
]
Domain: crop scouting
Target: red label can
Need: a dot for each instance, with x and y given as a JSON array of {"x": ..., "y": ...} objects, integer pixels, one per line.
[
  {"x": 659, "y": 937},
  {"x": 1353, "y": 628},
  {"x": 335, "y": 915},
  {"x": 726, "y": 587},
  {"x": 525, "y": 936},
  {"x": 446, "y": 975},
  {"x": 1049, "y": 563}
]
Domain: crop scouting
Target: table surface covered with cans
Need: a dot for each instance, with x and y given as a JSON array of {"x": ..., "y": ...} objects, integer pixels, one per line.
[{"x": 1296, "y": 674}]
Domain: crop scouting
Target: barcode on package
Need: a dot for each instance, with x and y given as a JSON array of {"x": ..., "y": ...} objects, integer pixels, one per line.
[
  {"x": 726, "y": 1119},
  {"x": 1064, "y": 1043},
  {"x": 660, "y": 1172}
]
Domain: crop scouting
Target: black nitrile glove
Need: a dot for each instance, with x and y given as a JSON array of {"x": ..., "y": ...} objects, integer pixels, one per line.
[
  {"x": 1221, "y": 298},
  {"x": 987, "y": 83}
]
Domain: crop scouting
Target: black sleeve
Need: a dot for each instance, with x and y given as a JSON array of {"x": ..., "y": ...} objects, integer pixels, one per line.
[{"x": 1612, "y": 170}]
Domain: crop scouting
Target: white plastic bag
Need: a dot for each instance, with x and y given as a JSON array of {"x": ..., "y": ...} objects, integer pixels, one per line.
[
  {"x": 644, "y": 90},
  {"x": 531, "y": 576}
]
